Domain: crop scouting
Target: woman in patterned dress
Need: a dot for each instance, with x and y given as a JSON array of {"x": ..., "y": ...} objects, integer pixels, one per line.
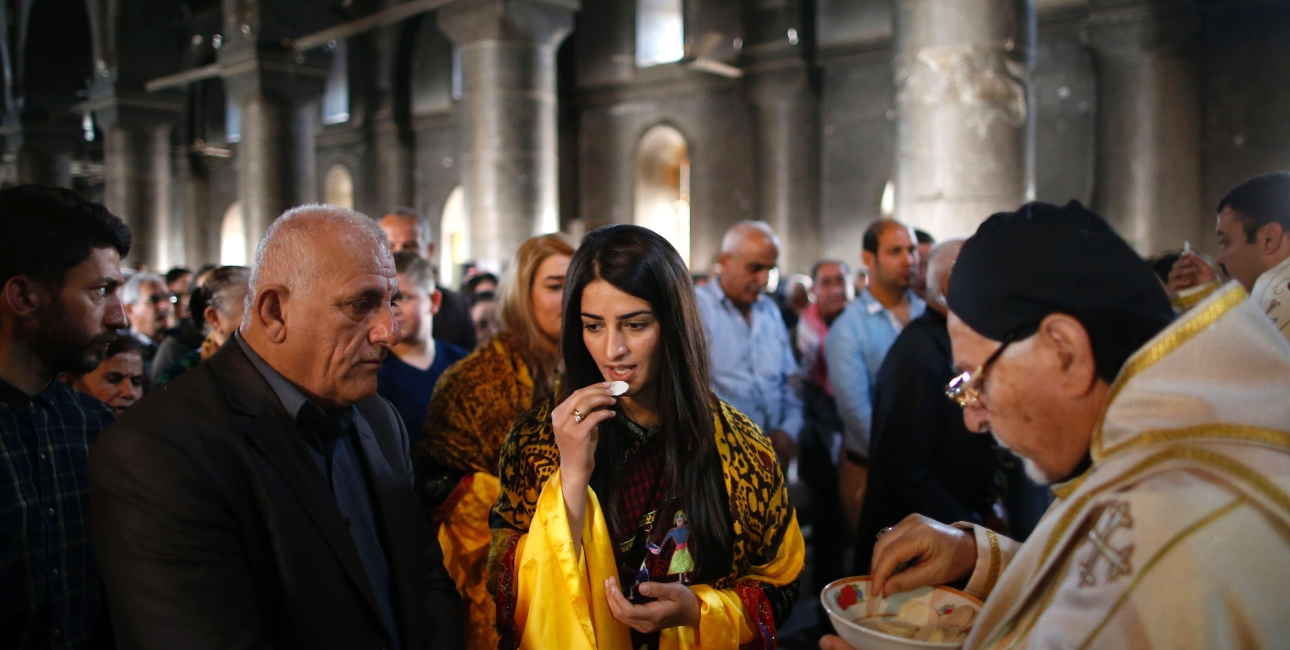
[
  {"x": 591, "y": 487},
  {"x": 473, "y": 406}
]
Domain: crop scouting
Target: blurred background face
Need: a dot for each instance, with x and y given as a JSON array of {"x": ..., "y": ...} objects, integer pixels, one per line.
[
  {"x": 621, "y": 332},
  {"x": 404, "y": 234},
  {"x": 180, "y": 289},
  {"x": 484, "y": 315},
  {"x": 117, "y": 381},
  {"x": 341, "y": 324},
  {"x": 919, "y": 283},
  {"x": 548, "y": 292},
  {"x": 222, "y": 325},
  {"x": 416, "y": 310},
  {"x": 830, "y": 290},
  {"x": 73, "y": 332},
  {"x": 897, "y": 258},
  {"x": 745, "y": 271},
  {"x": 150, "y": 312}
]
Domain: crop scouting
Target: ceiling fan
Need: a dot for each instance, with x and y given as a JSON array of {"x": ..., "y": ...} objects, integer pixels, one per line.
[{"x": 696, "y": 57}]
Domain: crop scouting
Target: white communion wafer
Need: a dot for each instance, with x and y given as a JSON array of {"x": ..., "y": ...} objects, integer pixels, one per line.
[{"x": 617, "y": 388}]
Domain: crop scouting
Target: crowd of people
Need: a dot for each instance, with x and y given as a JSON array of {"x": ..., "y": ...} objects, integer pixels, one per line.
[{"x": 331, "y": 449}]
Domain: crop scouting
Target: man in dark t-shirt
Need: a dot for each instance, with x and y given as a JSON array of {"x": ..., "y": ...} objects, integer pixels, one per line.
[{"x": 408, "y": 376}]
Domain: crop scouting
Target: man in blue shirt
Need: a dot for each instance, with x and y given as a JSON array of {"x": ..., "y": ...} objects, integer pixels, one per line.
[
  {"x": 859, "y": 340},
  {"x": 408, "y": 376},
  {"x": 60, "y": 270},
  {"x": 752, "y": 358}
]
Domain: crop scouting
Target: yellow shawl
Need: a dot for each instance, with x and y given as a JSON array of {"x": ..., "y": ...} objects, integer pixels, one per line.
[{"x": 559, "y": 600}]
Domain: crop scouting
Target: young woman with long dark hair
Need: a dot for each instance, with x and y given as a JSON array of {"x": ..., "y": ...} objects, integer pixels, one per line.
[{"x": 655, "y": 518}]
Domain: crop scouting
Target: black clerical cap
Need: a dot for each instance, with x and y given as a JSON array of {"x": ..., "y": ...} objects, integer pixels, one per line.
[{"x": 1021, "y": 266}]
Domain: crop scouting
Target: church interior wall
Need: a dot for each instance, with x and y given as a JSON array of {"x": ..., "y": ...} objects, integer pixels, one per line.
[{"x": 403, "y": 80}]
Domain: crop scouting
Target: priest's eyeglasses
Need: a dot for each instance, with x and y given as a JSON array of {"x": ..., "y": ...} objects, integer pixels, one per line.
[{"x": 965, "y": 389}]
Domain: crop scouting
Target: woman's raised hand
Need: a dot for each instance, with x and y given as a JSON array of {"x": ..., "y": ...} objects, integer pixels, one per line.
[{"x": 576, "y": 423}]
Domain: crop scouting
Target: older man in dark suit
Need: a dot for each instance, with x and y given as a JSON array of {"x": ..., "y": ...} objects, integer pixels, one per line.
[
  {"x": 922, "y": 458},
  {"x": 264, "y": 499}
]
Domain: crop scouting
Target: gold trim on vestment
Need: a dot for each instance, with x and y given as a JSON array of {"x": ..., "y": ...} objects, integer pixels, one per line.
[
  {"x": 1155, "y": 559},
  {"x": 1068, "y": 488},
  {"x": 996, "y": 563},
  {"x": 1178, "y": 334},
  {"x": 1202, "y": 431},
  {"x": 1214, "y": 460},
  {"x": 1185, "y": 302}
]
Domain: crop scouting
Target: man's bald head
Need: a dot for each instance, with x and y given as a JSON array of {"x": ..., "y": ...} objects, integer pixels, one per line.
[
  {"x": 303, "y": 239},
  {"x": 939, "y": 265},
  {"x": 749, "y": 250},
  {"x": 408, "y": 232},
  {"x": 320, "y": 305},
  {"x": 745, "y": 231}
]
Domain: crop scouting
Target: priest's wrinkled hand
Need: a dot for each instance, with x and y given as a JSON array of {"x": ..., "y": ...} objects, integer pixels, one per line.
[
  {"x": 920, "y": 552},
  {"x": 675, "y": 605},
  {"x": 831, "y": 642}
]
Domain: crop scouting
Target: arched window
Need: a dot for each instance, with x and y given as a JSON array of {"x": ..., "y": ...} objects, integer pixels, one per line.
[
  {"x": 232, "y": 237},
  {"x": 454, "y": 238},
  {"x": 660, "y": 32},
  {"x": 663, "y": 186},
  {"x": 336, "y": 94},
  {"x": 338, "y": 187}
]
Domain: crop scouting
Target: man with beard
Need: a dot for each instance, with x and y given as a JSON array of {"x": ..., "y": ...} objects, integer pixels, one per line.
[
  {"x": 1164, "y": 440},
  {"x": 858, "y": 342},
  {"x": 264, "y": 498},
  {"x": 59, "y": 272}
]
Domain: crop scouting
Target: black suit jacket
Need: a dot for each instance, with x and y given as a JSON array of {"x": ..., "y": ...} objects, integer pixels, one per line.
[
  {"x": 214, "y": 528},
  {"x": 922, "y": 458},
  {"x": 453, "y": 323}
]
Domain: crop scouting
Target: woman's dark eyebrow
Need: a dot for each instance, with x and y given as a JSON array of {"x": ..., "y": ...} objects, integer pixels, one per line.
[
  {"x": 586, "y": 315},
  {"x": 643, "y": 312}
]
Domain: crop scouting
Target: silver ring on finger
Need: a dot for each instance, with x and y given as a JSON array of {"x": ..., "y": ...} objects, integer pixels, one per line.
[
  {"x": 884, "y": 531},
  {"x": 577, "y": 416}
]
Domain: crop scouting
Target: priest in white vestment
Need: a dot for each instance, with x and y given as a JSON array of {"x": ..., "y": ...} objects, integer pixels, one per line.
[
  {"x": 1253, "y": 231},
  {"x": 1171, "y": 461}
]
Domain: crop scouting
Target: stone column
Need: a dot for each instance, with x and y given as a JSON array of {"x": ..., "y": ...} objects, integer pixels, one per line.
[
  {"x": 393, "y": 164},
  {"x": 138, "y": 174},
  {"x": 277, "y": 97},
  {"x": 789, "y": 160},
  {"x": 1148, "y": 171},
  {"x": 509, "y": 160},
  {"x": 961, "y": 124}
]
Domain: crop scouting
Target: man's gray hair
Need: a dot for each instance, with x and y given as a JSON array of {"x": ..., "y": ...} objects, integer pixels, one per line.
[
  {"x": 133, "y": 288},
  {"x": 282, "y": 257},
  {"x": 737, "y": 232},
  {"x": 939, "y": 264}
]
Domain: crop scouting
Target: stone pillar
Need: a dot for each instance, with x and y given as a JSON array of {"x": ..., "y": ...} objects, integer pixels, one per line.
[
  {"x": 1148, "y": 171},
  {"x": 138, "y": 175},
  {"x": 789, "y": 161},
  {"x": 393, "y": 164},
  {"x": 194, "y": 204},
  {"x": 961, "y": 123},
  {"x": 509, "y": 160},
  {"x": 277, "y": 97}
]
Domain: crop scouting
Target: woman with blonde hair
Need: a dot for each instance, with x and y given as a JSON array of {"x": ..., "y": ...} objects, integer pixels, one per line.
[{"x": 473, "y": 407}]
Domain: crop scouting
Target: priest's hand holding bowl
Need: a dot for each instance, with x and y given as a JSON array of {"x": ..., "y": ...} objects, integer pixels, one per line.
[
  {"x": 920, "y": 552},
  {"x": 576, "y": 424}
]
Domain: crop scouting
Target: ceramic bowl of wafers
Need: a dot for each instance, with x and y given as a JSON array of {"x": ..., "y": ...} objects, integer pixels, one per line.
[{"x": 927, "y": 617}]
